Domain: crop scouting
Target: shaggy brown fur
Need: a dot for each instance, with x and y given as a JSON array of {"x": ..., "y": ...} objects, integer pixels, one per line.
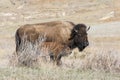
[
  {"x": 54, "y": 31},
  {"x": 55, "y": 50},
  {"x": 66, "y": 33}
]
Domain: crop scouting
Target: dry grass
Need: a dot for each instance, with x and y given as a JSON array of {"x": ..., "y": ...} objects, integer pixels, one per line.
[
  {"x": 72, "y": 69},
  {"x": 28, "y": 54},
  {"x": 100, "y": 61},
  {"x": 53, "y": 73},
  {"x": 96, "y": 58},
  {"x": 96, "y": 62}
]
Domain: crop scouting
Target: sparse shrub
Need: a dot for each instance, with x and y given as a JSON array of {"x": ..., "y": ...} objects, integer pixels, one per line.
[
  {"x": 106, "y": 60},
  {"x": 28, "y": 54}
]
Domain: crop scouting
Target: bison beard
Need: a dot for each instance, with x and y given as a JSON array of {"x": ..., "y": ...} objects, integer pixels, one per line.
[{"x": 62, "y": 32}]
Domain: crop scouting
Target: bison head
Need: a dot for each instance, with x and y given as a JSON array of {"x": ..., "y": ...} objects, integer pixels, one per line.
[{"x": 79, "y": 37}]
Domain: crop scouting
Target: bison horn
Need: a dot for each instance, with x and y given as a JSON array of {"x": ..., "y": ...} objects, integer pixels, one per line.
[
  {"x": 75, "y": 30},
  {"x": 88, "y": 28}
]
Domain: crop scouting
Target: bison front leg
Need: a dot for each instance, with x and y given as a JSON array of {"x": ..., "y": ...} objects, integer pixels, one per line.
[
  {"x": 52, "y": 57},
  {"x": 58, "y": 60}
]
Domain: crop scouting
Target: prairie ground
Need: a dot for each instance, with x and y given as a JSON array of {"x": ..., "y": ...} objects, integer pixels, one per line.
[{"x": 99, "y": 61}]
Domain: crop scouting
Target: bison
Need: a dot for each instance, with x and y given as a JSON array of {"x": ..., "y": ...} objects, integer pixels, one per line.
[
  {"x": 55, "y": 50},
  {"x": 63, "y": 32}
]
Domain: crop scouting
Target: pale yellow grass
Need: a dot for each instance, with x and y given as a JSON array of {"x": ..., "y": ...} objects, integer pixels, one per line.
[{"x": 99, "y": 61}]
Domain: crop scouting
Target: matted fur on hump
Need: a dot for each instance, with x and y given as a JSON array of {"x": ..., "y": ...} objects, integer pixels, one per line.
[{"x": 66, "y": 29}]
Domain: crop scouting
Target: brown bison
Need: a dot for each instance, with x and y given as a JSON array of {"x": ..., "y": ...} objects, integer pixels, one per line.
[
  {"x": 63, "y": 32},
  {"x": 55, "y": 50}
]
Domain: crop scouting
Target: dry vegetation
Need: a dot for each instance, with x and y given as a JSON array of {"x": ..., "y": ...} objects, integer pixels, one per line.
[{"x": 99, "y": 61}]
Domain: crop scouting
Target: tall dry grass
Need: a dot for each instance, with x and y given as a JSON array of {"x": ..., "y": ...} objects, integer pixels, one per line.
[
  {"x": 29, "y": 54},
  {"x": 97, "y": 58},
  {"x": 102, "y": 59}
]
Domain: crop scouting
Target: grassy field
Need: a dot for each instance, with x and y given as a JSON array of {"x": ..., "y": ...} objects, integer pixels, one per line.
[
  {"x": 99, "y": 61},
  {"x": 54, "y": 73}
]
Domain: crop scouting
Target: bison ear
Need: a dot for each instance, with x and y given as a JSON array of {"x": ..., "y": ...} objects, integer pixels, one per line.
[{"x": 88, "y": 28}]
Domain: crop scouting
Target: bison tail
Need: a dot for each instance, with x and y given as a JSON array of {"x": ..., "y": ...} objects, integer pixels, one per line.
[{"x": 17, "y": 40}]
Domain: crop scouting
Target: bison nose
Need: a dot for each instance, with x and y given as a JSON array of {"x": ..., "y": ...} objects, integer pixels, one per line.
[{"x": 86, "y": 43}]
